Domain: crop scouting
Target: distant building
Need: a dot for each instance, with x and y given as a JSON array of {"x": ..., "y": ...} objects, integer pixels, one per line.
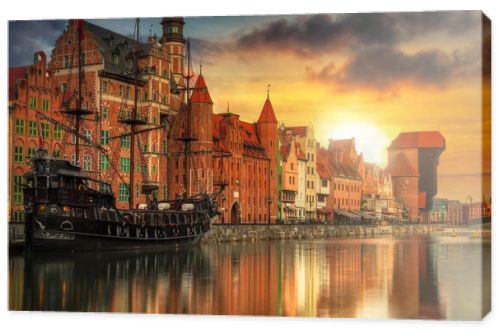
[
  {"x": 439, "y": 212},
  {"x": 454, "y": 213},
  {"x": 413, "y": 160},
  {"x": 304, "y": 136}
]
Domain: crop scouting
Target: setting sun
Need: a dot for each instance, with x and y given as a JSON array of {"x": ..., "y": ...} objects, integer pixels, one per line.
[{"x": 370, "y": 140}]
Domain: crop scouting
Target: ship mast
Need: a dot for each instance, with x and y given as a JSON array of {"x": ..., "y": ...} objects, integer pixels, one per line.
[
  {"x": 187, "y": 137},
  {"x": 78, "y": 111},
  {"x": 79, "y": 101},
  {"x": 134, "y": 117}
]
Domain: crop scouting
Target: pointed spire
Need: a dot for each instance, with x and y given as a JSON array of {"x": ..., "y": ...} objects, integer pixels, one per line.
[
  {"x": 267, "y": 115},
  {"x": 227, "y": 107},
  {"x": 200, "y": 91}
]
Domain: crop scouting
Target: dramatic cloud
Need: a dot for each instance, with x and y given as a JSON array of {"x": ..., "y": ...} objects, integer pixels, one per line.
[
  {"x": 382, "y": 68},
  {"x": 27, "y": 37},
  {"x": 207, "y": 49},
  {"x": 320, "y": 34}
]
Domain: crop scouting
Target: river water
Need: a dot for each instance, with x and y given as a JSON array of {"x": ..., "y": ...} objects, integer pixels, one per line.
[{"x": 434, "y": 277}]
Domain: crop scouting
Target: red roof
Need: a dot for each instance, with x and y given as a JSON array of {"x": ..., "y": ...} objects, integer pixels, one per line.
[
  {"x": 285, "y": 149},
  {"x": 267, "y": 114},
  {"x": 322, "y": 165},
  {"x": 298, "y": 130},
  {"x": 300, "y": 154},
  {"x": 200, "y": 92},
  {"x": 249, "y": 134},
  {"x": 15, "y": 73},
  {"x": 422, "y": 197},
  {"x": 420, "y": 139},
  {"x": 218, "y": 143},
  {"x": 401, "y": 166}
]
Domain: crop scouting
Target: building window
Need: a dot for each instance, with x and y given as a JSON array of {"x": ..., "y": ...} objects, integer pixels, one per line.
[
  {"x": 73, "y": 159},
  {"x": 87, "y": 133},
  {"x": 19, "y": 216},
  {"x": 324, "y": 183},
  {"x": 66, "y": 61},
  {"x": 104, "y": 187},
  {"x": 63, "y": 86},
  {"x": 18, "y": 154},
  {"x": 104, "y": 88},
  {"x": 123, "y": 192},
  {"x": 115, "y": 59},
  {"x": 87, "y": 163},
  {"x": 18, "y": 189},
  {"x": 129, "y": 63},
  {"x": 105, "y": 113},
  {"x": 124, "y": 164},
  {"x": 165, "y": 192},
  {"x": 164, "y": 73},
  {"x": 104, "y": 137},
  {"x": 127, "y": 91},
  {"x": 125, "y": 142},
  {"x": 32, "y": 102},
  {"x": 20, "y": 126},
  {"x": 73, "y": 138},
  {"x": 145, "y": 96},
  {"x": 31, "y": 153},
  {"x": 45, "y": 104},
  {"x": 120, "y": 91},
  {"x": 57, "y": 131},
  {"x": 104, "y": 162},
  {"x": 45, "y": 130},
  {"x": 57, "y": 154}
]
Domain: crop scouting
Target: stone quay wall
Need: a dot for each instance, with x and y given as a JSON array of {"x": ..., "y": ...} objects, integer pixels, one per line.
[{"x": 255, "y": 232}]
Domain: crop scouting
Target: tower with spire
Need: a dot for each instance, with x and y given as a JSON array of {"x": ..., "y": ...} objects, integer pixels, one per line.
[
  {"x": 267, "y": 130},
  {"x": 194, "y": 121}
]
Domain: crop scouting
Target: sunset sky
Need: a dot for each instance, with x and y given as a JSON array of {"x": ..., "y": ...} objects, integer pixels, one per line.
[{"x": 368, "y": 76}]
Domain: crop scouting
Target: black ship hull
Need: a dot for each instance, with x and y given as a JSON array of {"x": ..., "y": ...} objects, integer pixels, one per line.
[{"x": 95, "y": 242}]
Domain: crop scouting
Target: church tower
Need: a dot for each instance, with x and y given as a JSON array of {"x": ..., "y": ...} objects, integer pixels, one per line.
[
  {"x": 173, "y": 40},
  {"x": 267, "y": 130}
]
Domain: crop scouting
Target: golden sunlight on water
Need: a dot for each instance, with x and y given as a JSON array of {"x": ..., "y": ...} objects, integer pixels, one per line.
[{"x": 417, "y": 277}]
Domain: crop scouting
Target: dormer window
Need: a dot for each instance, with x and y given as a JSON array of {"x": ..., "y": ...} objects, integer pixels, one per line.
[
  {"x": 115, "y": 59},
  {"x": 129, "y": 63}
]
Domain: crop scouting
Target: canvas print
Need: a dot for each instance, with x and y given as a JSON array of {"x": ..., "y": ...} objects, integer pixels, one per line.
[{"x": 320, "y": 165}]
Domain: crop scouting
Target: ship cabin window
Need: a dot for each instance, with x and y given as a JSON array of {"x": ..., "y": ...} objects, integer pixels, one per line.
[
  {"x": 54, "y": 181},
  {"x": 42, "y": 183},
  {"x": 90, "y": 213},
  {"x": 112, "y": 215}
]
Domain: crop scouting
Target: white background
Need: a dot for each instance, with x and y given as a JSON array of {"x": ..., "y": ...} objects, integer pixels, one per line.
[{"x": 51, "y": 322}]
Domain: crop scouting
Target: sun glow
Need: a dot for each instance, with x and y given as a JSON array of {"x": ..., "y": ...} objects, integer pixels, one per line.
[{"x": 370, "y": 140}]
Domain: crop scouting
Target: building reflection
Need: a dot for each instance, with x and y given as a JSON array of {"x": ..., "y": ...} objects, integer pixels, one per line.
[{"x": 375, "y": 278}]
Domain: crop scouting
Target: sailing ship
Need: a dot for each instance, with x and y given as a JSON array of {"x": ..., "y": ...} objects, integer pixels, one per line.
[{"x": 67, "y": 208}]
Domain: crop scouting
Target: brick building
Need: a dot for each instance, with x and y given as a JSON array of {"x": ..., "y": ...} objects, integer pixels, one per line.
[
  {"x": 245, "y": 158},
  {"x": 31, "y": 90},
  {"x": 413, "y": 159},
  {"x": 108, "y": 94}
]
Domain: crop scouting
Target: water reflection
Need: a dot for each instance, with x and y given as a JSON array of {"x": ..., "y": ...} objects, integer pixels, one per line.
[{"x": 420, "y": 277}]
